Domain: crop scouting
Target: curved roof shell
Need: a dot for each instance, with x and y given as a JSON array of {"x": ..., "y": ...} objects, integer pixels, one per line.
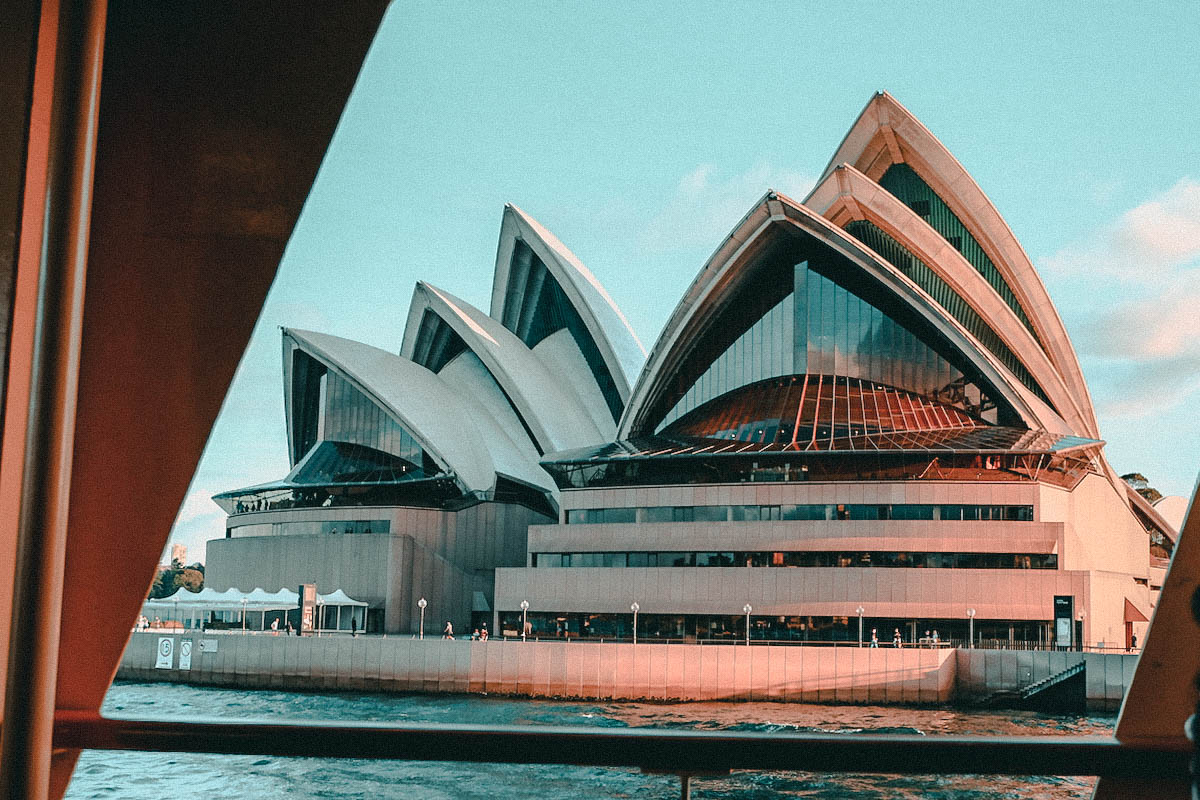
[
  {"x": 1173, "y": 509},
  {"x": 886, "y": 133},
  {"x": 846, "y": 195},
  {"x": 607, "y": 327},
  {"x": 718, "y": 281},
  {"x": 549, "y": 409},
  {"x": 455, "y": 431}
]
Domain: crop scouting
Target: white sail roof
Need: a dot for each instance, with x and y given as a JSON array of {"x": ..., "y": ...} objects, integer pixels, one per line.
[
  {"x": 544, "y": 400},
  {"x": 608, "y": 327},
  {"x": 709, "y": 294},
  {"x": 887, "y": 133}
]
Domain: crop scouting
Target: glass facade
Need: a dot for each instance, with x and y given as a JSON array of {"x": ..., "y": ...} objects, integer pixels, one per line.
[
  {"x": 819, "y": 511},
  {"x": 353, "y": 418},
  {"x": 437, "y": 344},
  {"x": 332, "y": 463},
  {"x": 921, "y": 274},
  {"x": 536, "y": 306},
  {"x": 310, "y": 527},
  {"x": 731, "y": 629},
  {"x": 308, "y": 378},
  {"x": 907, "y": 186},
  {"x": 800, "y": 558},
  {"x": 810, "y": 317},
  {"x": 326, "y": 407}
]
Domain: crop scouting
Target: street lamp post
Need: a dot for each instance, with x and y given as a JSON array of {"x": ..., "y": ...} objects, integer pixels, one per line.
[
  {"x": 746, "y": 609},
  {"x": 860, "y": 610},
  {"x": 635, "y": 608},
  {"x": 524, "y": 618},
  {"x": 971, "y": 627},
  {"x": 421, "y": 605},
  {"x": 243, "y": 615}
]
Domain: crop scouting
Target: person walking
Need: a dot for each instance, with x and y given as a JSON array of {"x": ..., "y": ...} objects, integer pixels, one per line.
[
  {"x": 874, "y": 637},
  {"x": 896, "y": 640},
  {"x": 448, "y": 631},
  {"x": 275, "y": 627}
]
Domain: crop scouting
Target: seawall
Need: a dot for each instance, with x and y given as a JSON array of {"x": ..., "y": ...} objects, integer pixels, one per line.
[{"x": 657, "y": 672}]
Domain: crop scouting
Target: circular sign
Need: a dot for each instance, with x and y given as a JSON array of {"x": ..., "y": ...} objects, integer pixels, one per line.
[
  {"x": 185, "y": 648},
  {"x": 164, "y": 647}
]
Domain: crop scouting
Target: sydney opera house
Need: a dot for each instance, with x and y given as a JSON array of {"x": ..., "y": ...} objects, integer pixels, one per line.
[{"x": 864, "y": 411}]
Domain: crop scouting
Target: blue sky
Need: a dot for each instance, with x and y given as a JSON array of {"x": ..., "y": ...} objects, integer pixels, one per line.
[{"x": 641, "y": 133}]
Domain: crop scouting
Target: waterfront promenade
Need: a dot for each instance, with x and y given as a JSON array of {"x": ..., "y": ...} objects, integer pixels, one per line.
[{"x": 616, "y": 671}]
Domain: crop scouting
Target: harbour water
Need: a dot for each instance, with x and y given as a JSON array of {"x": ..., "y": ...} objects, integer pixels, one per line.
[{"x": 152, "y": 776}]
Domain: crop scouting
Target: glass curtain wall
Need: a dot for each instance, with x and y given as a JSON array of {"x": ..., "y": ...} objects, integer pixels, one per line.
[
  {"x": 921, "y": 274},
  {"x": 308, "y": 381},
  {"x": 353, "y": 418},
  {"x": 907, "y": 186},
  {"x": 822, "y": 328},
  {"x": 437, "y": 344}
]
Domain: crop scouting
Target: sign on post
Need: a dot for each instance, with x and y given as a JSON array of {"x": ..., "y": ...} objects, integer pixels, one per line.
[
  {"x": 185, "y": 654},
  {"x": 166, "y": 652},
  {"x": 308, "y": 607},
  {"x": 1064, "y": 615}
]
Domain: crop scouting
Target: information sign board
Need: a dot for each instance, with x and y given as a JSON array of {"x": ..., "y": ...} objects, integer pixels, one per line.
[{"x": 166, "y": 653}]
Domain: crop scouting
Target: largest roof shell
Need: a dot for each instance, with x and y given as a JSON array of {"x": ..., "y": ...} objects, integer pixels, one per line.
[
  {"x": 720, "y": 277},
  {"x": 887, "y": 133},
  {"x": 846, "y": 194}
]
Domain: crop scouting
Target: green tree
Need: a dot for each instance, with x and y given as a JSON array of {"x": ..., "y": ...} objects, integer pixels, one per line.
[
  {"x": 1142, "y": 486},
  {"x": 190, "y": 579},
  {"x": 169, "y": 579}
]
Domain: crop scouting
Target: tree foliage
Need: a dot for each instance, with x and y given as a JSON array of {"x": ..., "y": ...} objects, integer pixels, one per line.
[
  {"x": 168, "y": 579},
  {"x": 1142, "y": 486}
]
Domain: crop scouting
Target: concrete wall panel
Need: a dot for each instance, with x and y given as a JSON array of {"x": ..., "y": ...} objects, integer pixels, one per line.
[{"x": 626, "y": 671}]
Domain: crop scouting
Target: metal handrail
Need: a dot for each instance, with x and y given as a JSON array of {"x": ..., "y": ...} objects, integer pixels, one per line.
[
  {"x": 942, "y": 644},
  {"x": 653, "y": 750}
]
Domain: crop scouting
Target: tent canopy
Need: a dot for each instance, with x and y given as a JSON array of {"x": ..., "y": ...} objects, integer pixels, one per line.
[
  {"x": 233, "y": 600},
  {"x": 338, "y": 598}
]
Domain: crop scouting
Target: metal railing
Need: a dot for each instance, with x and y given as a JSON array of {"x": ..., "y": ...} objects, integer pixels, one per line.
[
  {"x": 923, "y": 644},
  {"x": 928, "y": 644},
  {"x": 683, "y": 753}
]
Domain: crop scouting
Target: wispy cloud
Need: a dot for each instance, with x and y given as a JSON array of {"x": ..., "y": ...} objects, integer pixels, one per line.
[
  {"x": 1149, "y": 240},
  {"x": 1145, "y": 342},
  {"x": 1163, "y": 322},
  {"x": 706, "y": 205},
  {"x": 1146, "y": 390}
]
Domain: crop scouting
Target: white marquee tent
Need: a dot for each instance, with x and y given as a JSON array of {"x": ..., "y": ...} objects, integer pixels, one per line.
[{"x": 192, "y": 607}]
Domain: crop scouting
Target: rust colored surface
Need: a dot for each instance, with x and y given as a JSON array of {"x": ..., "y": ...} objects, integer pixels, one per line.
[{"x": 214, "y": 119}]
